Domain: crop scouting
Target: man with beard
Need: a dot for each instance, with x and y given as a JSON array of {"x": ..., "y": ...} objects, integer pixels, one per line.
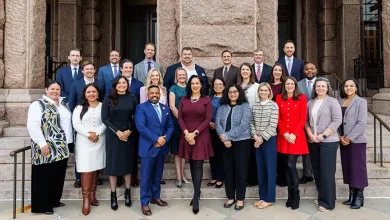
[
  {"x": 107, "y": 73},
  {"x": 155, "y": 126},
  {"x": 293, "y": 66},
  {"x": 228, "y": 72},
  {"x": 67, "y": 75},
  {"x": 142, "y": 68},
  {"x": 305, "y": 86}
]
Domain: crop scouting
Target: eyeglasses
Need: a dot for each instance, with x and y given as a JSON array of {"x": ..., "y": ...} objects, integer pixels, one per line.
[{"x": 233, "y": 92}]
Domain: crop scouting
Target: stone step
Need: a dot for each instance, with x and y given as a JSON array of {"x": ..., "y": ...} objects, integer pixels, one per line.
[
  {"x": 377, "y": 189},
  {"x": 15, "y": 131},
  {"x": 375, "y": 171},
  {"x": 13, "y": 143}
]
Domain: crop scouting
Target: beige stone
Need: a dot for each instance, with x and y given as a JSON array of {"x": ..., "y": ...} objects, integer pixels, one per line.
[
  {"x": 91, "y": 32},
  {"x": 16, "y": 113},
  {"x": 2, "y": 14},
  {"x": 327, "y": 16},
  {"x": 328, "y": 64},
  {"x": 386, "y": 41},
  {"x": 91, "y": 49},
  {"x": 227, "y": 12},
  {"x": 327, "y": 32},
  {"x": 2, "y": 110},
  {"x": 1, "y": 73},
  {"x": 1, "y": 43},
  {"x": 310, "y": 32},
  {"x": 267, "y": 28},
  {"x": 91, "y": 16},
  {"x": 327, "y": 49},
  {"x": 107, "y": 29}
]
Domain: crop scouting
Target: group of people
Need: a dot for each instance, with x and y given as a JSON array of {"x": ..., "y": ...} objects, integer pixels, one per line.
[{"x": 252, "y": 123}]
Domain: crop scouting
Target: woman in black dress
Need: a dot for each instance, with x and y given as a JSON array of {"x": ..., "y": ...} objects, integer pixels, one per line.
[{"x": 118, "y": 115}]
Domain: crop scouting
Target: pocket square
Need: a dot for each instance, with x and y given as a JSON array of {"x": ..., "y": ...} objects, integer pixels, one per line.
[
  {"x": 167, "y": 113},
  {"x": 203, "y": 74}
]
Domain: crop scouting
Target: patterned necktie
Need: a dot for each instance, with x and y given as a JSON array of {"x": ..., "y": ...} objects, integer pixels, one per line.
[
  {"x": 258, "y": 72},
  {"x": 224, "y": 73},
  {"x": 309, "y": 86},
  {"x": 115, "y": 71},
  {"x": 149, "y": 65},
  {"x": 289, "y": 66},
  {"x": 158, "y": 111},
  {"x": 74, "y": 73}
]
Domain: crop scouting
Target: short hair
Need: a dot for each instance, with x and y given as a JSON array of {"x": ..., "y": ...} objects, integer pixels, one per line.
[
  {"x": 126, "y": 61},
  {"x": 288, "y": 41},
  {"x": 189, "y": 90},
  {"x": 258, "y": 50},
  {"x": 74, "y": 49},
  {"x": 51, "y": 82},
  {"x": 231, "y": 54},
  {"x": 282, "y": 78},
  {"x": 212, "y": 92},
  {"x": 177, "y": 70},
  {"x": 342, "y": 85},
  {"x": 251, "y": 77},
  {"x": 114, "y": 50},
  {"x": 321, "y": 79},
  {"x": 151, "y": 44},
  {"x": 86, "y": 63},
  {"x": 271, "y": 94},
  {"x": 186, "y": 48},
  {"x": 241, "y": 95},
  {"x": 296, "y": 92},
  {"x": 153, "y": 86}
]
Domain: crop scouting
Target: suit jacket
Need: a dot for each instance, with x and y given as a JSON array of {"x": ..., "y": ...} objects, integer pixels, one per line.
[
  {"x": 140, "y": 72},
  {"x": 231, "y": 76},
  {"x": 76, "y": 92},
  {"x": 150, "y": 128},
  {"x": 329, "y": 116},
  {"x": 169, "y": 78},
  {"x": 265, "y": 73},
  {"x": 297, "y": 68},
  {"x": 355, "y": 120},
  {"x": 65, "y": 79},
  {"x": 105, "y": 75},
  {"x": 135, "y": 86},
  {"x": 302, "y": 86}
]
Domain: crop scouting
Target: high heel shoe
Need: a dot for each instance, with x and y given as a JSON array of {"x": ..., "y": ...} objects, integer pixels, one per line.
[
  {"x": 127, "y": 198},
  {"x": 195, "y": 207},
  {"x": 178, "y": 184},
  {"x": 193, "y": 200},
  {"x": 349, "y": 201},
  {"x": 219, "y": 186},
  {"x": 114, "y": 201},
  {"x": 358, "y": 199},
  {"x": 184, "y": 180},
  {"x": 211, "y": 183}
]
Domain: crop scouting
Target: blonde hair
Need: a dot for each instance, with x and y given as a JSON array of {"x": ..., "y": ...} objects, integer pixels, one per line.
[
  {"x": 149, "y": 83},
  {"x": 177, "y": 70},
  {"x": 271, "y": 94}
]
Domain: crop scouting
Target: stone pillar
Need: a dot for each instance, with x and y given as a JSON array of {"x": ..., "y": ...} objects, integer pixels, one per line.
[
  {"x": 266, "y": 29},
  {"x": 91, "y": 31},
  {"x": 2, "y": 22},
  {"x": 69, "y": 28},
  {"x": 386, "y": 40},
  {"x": 107, "y": 27},
  {"x": 327, "y": 40},
  {"x": 309, "y": 31},
  {"x": 349, "y": 18},
  {"x": 54, "y": 30}
]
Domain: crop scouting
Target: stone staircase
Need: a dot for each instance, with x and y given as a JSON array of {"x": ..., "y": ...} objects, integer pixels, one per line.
[{"x": 17, "y": 137}]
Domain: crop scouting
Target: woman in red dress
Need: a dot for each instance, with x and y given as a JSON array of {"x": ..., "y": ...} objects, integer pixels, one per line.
[
  {"x": 291, "y": 139},
  {"x": 195, "y": 114}
]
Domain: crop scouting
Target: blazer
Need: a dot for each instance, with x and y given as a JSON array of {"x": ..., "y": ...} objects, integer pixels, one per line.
[
  {"x": 169, "y": 78},
  {"x": 65, "y": 79},
  {"x": 329, "y": 116},
  {"x": 140, "y": 72},
  {"x": 105, "y": 75},
  {"x": 355, "y": 120},
  {"x": 150, "y": 128},
  {"x": 302, "y": 86},
  {"x": 297, "y": 68},
  {"x": 76, "y": 92},
  {"x": 265, "y": 73},
  {"x": 135, "y": 86},
  {"x": 231, "y": 76}
]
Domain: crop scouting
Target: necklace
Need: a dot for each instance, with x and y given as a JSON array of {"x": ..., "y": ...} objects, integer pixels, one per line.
[{"x": 194, "y": 100}]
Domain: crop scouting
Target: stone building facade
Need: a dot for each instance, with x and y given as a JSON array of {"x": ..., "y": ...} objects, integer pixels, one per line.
[{"x": 327, "y": 33}]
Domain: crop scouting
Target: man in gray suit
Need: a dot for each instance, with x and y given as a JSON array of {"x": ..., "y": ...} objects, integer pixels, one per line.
[
  {"x": 305, "y": 86},
  {"x": 142, "y": 68}
]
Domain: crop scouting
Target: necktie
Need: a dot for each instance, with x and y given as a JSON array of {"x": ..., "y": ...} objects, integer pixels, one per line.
[
  {"x": 258, "y": 72},
  {"x": 224, "y": 73},
  {"x": 149, "y": 66},
  {"x": 74, "y": 73},
  {"x": 289, "y": 66},
  {"x": 158, "y": 111},
  {"x": 115, "y": 71},
  {"x": 309, "y": 86}
]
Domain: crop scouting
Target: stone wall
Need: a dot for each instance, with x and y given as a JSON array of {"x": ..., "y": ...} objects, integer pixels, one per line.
[
  {"x": 91, "y": 30},
  {"x": 2, "y": 22},
  {"x": 309, "y": 31},
  {"x": 386, "y": 40},
  {"x": 107, "y": 28}
]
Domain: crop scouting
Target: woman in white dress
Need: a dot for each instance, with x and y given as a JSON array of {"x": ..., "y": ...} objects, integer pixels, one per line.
[{"x": 90, "y": 144}]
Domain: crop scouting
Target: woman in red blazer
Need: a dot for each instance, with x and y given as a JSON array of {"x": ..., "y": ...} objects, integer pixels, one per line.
[{"x": 291, "y": 140}]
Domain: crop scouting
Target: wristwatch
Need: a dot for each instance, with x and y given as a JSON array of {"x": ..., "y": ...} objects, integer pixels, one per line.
[
  {"x": 196, "y": 133},
  {"x": 324, "y": 136}
]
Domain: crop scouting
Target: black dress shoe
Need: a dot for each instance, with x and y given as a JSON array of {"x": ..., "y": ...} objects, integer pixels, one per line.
[
  {"x": 219, "y": 186},
  {"x": 60, "y": 204},
  {"x": 227, "y": 205},
  {"x": 163, "y": 182},
  {"x": 306, "y": 179},
  {"x": 195, "y": 211},
  {"x": 77, "y": 184},
  {"x": 51, "y": 212},
  {"x": 211, "y": 184},
  {"x": 238, "y": 208}
]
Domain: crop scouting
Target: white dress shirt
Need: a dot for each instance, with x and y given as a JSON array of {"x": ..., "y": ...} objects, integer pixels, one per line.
[
  {"x": 117, "y": 69},
  {"x": 286, "y": 58},
  {"x": 88, "y": 82},
  {"x": 191, "y": 71},
  {"x": 34, "y": 121},
  {"x": 77, "y": 71}
]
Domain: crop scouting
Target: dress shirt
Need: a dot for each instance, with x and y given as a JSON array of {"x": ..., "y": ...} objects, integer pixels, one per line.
[
  {"x": 286, "y": 58},
  {"x": 35, "y": 117},
  {"x": 146, "y": 65},
  {"x": 190, "y": 71},
  {"x": 158, "y": 110},
  {"x": 312, "y": 84},
  {"x": 129, "y": 81},
  {"x": 117, "y": 69},
  {"x": 257, "y": 66},
  {"x": 88, "y": 82},
  {"x": 77, "y": 71}
]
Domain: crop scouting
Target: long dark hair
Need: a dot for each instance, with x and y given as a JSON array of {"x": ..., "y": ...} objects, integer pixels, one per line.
[
  {"x": 282, "y": 78},
  {"x": 251, "y": 76},
  {"x": 189, "y": 90},
  {"x": 342, "y": 90},
  {"x": 114, "y": 97},
  {"x": 296, "y": 92},
  {"x": 84, "y": 101},
  {"x": 212, "y": 92},
  {"x": 241, "y": 95}
]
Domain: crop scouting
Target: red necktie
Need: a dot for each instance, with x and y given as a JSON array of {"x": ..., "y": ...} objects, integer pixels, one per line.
[{"x": 258, "y": 72}]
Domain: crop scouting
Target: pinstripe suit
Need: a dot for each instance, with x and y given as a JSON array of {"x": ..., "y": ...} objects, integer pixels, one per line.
[{"x": 323, "y": 154}]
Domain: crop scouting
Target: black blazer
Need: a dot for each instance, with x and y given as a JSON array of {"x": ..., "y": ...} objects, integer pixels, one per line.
[
  {"x": 231, "y": 76},
  {"x": 265, "y": 73},
  {"x": 76, "y": 92},
  {"x": 296, "y": 70}
]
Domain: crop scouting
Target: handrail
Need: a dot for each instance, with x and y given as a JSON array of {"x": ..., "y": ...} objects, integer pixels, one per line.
[
  {"x": 381, "y": 123},
  {"x": 15, "y": 155}
]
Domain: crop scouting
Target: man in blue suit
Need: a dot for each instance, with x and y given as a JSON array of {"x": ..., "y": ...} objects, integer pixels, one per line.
[
  {"x": 293, "y": 66},
  {"x": 76, "y": 91},
  {"x": 261, "y": 70},
  {"x": 154, "y": 123},
  {"x": 189, "y": 66},
  {"x": 127, "y": 71},
  {"x": 107, "y": 73},
  {"x": 68, "y": 75}
]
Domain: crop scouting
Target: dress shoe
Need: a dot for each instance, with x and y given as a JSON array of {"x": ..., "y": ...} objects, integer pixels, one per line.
[
  {"x": 146, "y": 210},
  {"x": 159, "y": 202},
  {"x": 185, "y": 181},
  {"x": 127, "y": 197},
  {"x": 95, "y": 182},
  {"x": 114, "y": 201},
  {"x": 51, "y": 212},
  {"x": 86, "y": 183},
  {"x": 238, "y": 207},
  {"x": 211, "y": 184},
  {"x": 77, "y": 183},
  {"x": 178, "y": 184},
  {"x": 306, "y": 179},
  {"x": 228, "y": 205},
  {"x": 60, "y": 204},
  {"x": 163, "y": 182},
  {"x": 134, "y": 182},
  {"x": 218, "y": 185},
  {"x": 195, "y": 211},
  {"x": 358, "y": 199},
  {"x": 349, "y": 201}
]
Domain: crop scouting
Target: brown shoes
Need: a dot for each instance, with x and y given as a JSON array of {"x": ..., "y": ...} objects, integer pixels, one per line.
[
  {"x": 146, "y": 210},
  {"x": 158, "y": 202},
  {"x": 94, "y": 201},
  {"x": 86, "y": 184}
]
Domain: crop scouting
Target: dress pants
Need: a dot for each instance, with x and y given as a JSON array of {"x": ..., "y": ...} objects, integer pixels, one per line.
[
  {"x": 235, "y": 162},
  {"x": 216, "y": 162},
  {"x": 266, "y": 169},
  {"x": 323, "y": 159},
  {"x": 47, "y": 184},
  {"x": 135, "y": 140},
  {"x": 307, "y": 169},
  {"x": 151, "y": 175},
  {"x": 252, "y": 167}
]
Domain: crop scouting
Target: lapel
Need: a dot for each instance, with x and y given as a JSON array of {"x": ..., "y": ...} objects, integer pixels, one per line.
[
  {"x": 324, "y": 103},
  {"x": 154, "y": 111},
  {"x": 163, "y": 113},
  {"x": 143, "y": 70},
  {"x": 111, "y": 77},
  {"x": 306, "y": 90},
  {"x": 283, "y": 62},
  {"x": 354, "y": 100}
]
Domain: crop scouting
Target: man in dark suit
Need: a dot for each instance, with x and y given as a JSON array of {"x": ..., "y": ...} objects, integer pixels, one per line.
[
  {"x": 154, "y": 123},
  {"x": 227, "y": 72},
  {"x": 142, "y": 68},
  {"x": 88, "y": 69},
  {"x": 293, "y": 66},
  {"x": 262, "y": 71},
  {"x": 68, "y": 75},
  {"x": 107, "y": 73},
  {"x": 189, "y": 66}
]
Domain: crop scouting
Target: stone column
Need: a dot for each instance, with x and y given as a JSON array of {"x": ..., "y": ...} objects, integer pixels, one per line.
[
  {"x": 91, "y": 31},
  {"x": 309, "y": 31},
  {"x": 54, "y": 30},
  {"x": 2, "y": 22},
  {"x": 69, "y": 28},
  {"x": 107, "y": 27},
  {"x": 386, "y": 40},
  {"x": 266, "y": 29}
]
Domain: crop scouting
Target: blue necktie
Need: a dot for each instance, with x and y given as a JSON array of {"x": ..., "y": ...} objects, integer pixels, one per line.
[
  {"x": 289, "y": 66},
  {"x": 115, "y": 71},
  {"x": 158, "y": 111},
  {"x": 74, "y": 73}
]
